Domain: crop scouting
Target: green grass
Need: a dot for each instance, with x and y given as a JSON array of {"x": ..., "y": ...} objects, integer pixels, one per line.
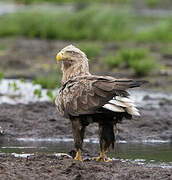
[
  {"x": 139, "y": 60},
  {"x": 50, "y": 81},
  {"x": 150, "y": 3},
  {"x": 101, "y": 23},
  {"x": 153, "y": 3},
  {"x": 69, "y": 1},
  {"x": 159, "y": 33},
  {"x": 1, "y": 76},
  {"x": 91, "y": 49},
  {"x": 166, "y": 49},
  {"x": 89, "y": 24}
]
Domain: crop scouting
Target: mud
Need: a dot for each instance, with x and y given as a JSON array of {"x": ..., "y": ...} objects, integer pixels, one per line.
[
  {"x": 41, "y": 120},
  {"x": 41, "y": 166},
  {"x": 30, "y": 58}
]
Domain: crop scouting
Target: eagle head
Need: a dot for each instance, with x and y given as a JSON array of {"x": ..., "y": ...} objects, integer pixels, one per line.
[
  {"x": 74, "y": 62},
  {"x": 70, "y": 54}
]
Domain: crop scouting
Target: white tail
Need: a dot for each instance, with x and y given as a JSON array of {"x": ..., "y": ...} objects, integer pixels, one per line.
[{"x": 122, "y": 104}]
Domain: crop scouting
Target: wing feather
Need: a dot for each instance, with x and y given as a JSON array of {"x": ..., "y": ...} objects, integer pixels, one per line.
[{"x": 85, "y": 94}]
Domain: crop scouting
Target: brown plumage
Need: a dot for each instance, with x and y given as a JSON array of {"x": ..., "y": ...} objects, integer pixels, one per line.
[{"x": 86, "y": 98}]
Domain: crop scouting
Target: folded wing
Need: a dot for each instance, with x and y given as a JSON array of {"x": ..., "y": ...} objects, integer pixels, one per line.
[{"x": 86, "y": 94}]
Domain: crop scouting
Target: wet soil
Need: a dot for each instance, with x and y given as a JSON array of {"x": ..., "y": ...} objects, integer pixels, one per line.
[
  {"x": 30, "y": 58},
  {"x": 41, "y": 166},
  {"x": 41, "y": 120}
]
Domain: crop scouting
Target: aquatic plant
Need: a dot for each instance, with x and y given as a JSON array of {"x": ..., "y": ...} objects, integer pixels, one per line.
[
  {"x": 1, "y": 76},
  {"x": 15, "y": 87},
  {"x": 22, "y": 80},
  {"x": 38, "y": 93},
  {"x": 50, "y": 95},
  {"x": 51, "y": 81}
]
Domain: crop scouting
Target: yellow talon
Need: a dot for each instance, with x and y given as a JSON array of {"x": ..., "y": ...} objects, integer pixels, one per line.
[
  {"x": 78, "y": 155},
  {"x": 102, "y": 158}
]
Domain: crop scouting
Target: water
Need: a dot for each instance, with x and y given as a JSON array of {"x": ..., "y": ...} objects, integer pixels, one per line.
[
  {"x": 158, "y": 152},
  {"x": 25, "y": 94},
  {"x": 147, "y": 154},
  {"x": 14, "y": 91}
]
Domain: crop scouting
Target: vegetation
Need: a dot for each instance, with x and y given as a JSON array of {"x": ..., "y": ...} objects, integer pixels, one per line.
[
  {"x": 50, "y": 95},
  {"x": 1, "y": 76},
  {"x": 150, "y": 3},
  {"x": 153, "y": 3},
  {"x": 85, "y": 24},
  {"x": 139, "y": 60},
  {"x": 50, "y": 81},
  {"x": 91, "y": 23},
  {"x": 22, "y": 80},
  {"x": 38, "y": 93},
  {"x": 161, "y": 33},
  {"x": 14, "y": 86},
  {"x": 69, "y": 1},
  {"x": 166, "y": 49},
  {"x": 91, "y": 49}
]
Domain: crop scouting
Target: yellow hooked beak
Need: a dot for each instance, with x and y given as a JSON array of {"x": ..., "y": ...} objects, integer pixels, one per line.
[{"x": 61, "y": 56}]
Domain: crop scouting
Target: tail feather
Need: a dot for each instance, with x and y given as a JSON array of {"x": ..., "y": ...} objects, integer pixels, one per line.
[
  {"x": 118, "y": 103},
  {"x": 133, "y": 111},
  {"x": 124, "y": 99},
  {"x": 122, "y": 104},
  {"x": 113, "y": 108}
]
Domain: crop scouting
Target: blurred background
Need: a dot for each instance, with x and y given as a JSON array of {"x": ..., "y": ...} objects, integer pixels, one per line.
[{"x": 123, "y": 38}]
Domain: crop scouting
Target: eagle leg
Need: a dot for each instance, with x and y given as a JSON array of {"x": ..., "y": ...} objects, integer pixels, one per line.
[
  {"x": 102, "y": 157},
  {"x": 78, "y": 155},
  {"x": 115, "y": 128},
  {"x": 106, "y": 139},
  {"x": 78, "y": 130}
]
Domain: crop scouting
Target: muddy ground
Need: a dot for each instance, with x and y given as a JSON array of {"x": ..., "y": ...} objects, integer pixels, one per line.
[
  {"x": 49, "y": 167},
  {"x": 42, "y": 120},
  {"x": 30, "y": 58}
]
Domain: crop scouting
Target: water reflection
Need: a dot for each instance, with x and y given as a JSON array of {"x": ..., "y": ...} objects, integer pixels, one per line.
[{"x": 149, "y": 154}]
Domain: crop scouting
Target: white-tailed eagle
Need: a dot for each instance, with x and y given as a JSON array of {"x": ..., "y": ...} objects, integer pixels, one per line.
[{"x": 85, "y": 98}]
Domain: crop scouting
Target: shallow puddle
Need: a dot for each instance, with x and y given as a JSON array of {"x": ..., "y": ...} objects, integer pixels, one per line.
[
  {"x": 148, "y": 154},
  {"x": 14, "y": 91}
]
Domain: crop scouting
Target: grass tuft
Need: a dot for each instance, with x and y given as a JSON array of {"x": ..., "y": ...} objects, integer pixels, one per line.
[
  {"x": 91, "y": 49},
  {"x": 1, "y": 76},
  {"x": 139, "y": 60},
  {"x": 97, "y": 22},
  {"x": 50, "y": 81},
  {"x": 75, "y": 25},
  {"x": 153, "y": 3}
]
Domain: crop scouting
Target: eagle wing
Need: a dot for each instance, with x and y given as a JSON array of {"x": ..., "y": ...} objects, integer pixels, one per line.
[{"x": 85, "y": 94}]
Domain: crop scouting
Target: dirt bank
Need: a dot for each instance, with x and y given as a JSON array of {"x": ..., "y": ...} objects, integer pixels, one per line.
[
  {"x": 31, "y": 58},
  {"x": 41, "y": 166},
  {"x": 41, "y": 120}
]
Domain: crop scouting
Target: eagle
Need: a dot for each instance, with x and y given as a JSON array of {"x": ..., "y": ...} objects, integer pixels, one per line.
[{"x": 85, "y": 98}]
